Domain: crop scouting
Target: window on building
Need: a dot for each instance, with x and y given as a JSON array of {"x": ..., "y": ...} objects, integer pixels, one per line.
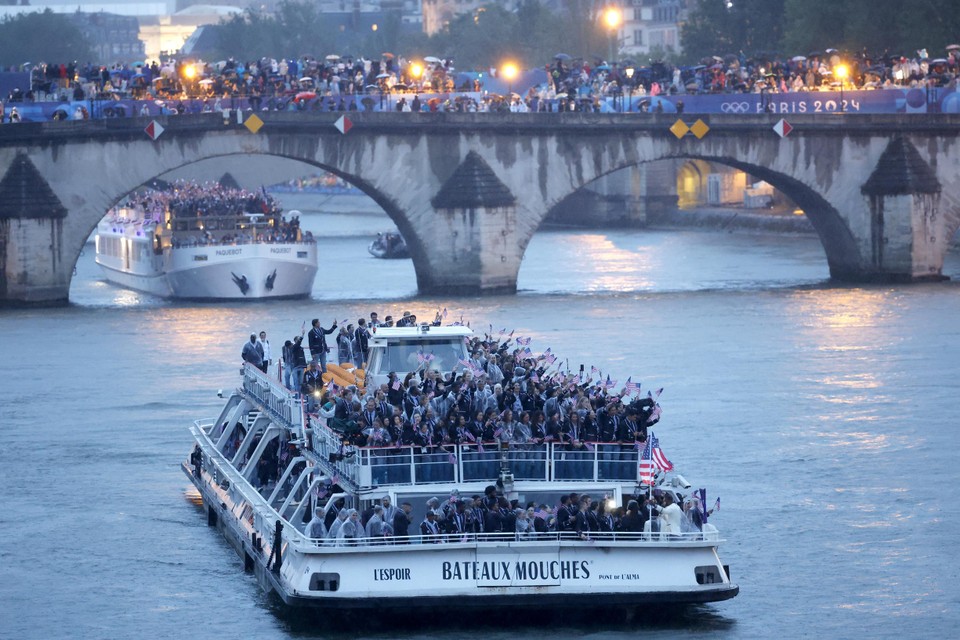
[{"x": 638, "y": 37}]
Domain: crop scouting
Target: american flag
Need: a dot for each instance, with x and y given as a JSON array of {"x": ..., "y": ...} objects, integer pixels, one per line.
[
  {"x": 420, "y": 357},
  {"x": 655, "y": 414},
  {"x": 646, "y": 466},
  {"x": 452, "y": 458},
  {"x": 659, "y": 458},
  {"x": 632, "y": 387},
  {"x": 396, "y": 385},
  {"x": 541, "y": 513},
  {"x": 594, "y": 371}
]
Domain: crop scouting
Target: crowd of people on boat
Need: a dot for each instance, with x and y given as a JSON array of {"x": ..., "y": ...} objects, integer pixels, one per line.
[
  {"x": 212, "y": 213},
  {"x": 502, "y": 392},
  {"x": 462, "y": 518},
  {"x": 576, "y": 84}
]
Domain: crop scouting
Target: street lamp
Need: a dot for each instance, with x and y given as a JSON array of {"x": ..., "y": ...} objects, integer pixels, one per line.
[
  {"x": 841, "y": 71},
  {"x": 630, "y": 71},
  {"x": 416, "y": 72},
  {"x": 510, "y": 71},
  {"x": 613, "y": 18}
]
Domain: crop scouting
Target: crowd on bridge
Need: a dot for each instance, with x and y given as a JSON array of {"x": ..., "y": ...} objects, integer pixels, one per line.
[{"x": 345, "y": 83}]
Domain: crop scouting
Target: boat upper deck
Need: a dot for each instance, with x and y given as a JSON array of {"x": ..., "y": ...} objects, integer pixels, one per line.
[{"x": 364, "y": 467}]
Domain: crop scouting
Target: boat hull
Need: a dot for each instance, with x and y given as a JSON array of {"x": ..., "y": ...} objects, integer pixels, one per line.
[
  {"x": 242, "y": 272},
  {"x": 517, "y": 576}
]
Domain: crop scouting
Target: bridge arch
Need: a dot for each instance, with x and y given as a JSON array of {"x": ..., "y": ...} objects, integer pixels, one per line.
[
  {"x": 838, "y": 241},
  {"x": 92, "y": 216}
]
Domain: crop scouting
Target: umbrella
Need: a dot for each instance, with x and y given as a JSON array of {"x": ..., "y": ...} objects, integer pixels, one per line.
[
  {"x": 699, "y": 67},
  {"x": 333, "y": 56},
  {"x": 718, "y": 58},
  {"x": 139, "y": 63},
  {"x": 306, "y": 79},
  {"x": 953, "y": 47},
  {"x": 305, "y": 95},
  {"x": 830, "y": 50},
  {"x": 431, "y": 59},
  {"x": 814, "y": 54},
  {"x": 383, "y": 75},
  {"x": 938, "y": 61},
  {"x": 602, "y": 67},
  {"x": 206, "y": 81},
  {"x": 561, "y": 56},
  {"x": 387, "y": 54},
  {"x": 798, "y": 58}
]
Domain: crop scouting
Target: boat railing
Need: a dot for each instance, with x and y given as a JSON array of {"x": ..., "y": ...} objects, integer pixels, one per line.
[
  {"x": 220, "y": 469},
  {"x": 410, "y": 464},
  {"x": 276, "y": 399},
  {"x": 607, "y": 538},
  {"x": 474, "y": 462},
  {"x": 197, "y": 242}
]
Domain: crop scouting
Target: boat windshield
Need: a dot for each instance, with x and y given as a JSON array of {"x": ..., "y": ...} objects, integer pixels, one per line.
[{"x": 403, "y": 355}]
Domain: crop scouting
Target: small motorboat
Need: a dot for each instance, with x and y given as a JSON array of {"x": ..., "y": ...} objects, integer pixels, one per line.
[{"x": 389, "y": 245}]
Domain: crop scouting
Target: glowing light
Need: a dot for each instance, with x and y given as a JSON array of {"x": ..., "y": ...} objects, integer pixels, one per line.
[
  {"x": 510, "y": 71},
  {"x": 841, "y": 71},
  {"x": 189, "y": 72},
  {"x": 612, "y": 17},
  {"x": 416, "y": 69},
  {"x": 374, "y": 27}
]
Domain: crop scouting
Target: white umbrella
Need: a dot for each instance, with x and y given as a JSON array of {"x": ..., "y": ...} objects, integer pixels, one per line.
[
  {"x": 953, "y": 47},
  {"x": 431, "y": 59},
  {"x": 206, "y": 81},
  {"x": 798, "y": 58},
  {"x": 383, "y": 75},
  {"x": 306, "y": 79},
  {"x": 333, "y": 56}
]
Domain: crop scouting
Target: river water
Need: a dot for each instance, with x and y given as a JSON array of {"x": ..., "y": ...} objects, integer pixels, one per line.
[{"x": 824, "y": 416}]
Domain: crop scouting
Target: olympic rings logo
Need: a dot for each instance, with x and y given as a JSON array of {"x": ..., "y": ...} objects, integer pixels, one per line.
[{"x": 734, "y": 107}]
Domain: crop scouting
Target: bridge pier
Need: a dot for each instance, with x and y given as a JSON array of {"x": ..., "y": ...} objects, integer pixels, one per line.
[
  {"x": 32, "y": 268},
  {"x": 32, "y": 265}
]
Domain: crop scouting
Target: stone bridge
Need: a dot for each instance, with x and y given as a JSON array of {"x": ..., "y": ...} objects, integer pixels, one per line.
[{"x": 469, "y": 190}]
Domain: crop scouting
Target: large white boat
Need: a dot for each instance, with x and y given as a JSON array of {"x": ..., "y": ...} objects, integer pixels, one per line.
[
  {"x": 262, "y": 513},
  {"x": 183, "y": 252}
]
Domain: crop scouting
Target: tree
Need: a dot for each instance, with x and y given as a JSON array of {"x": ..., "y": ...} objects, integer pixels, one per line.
[
  {"x": 718, "y": 27},
  {"x": 480, "y": 39},
  {"x": 41, "y": 37},
  {"x": 877, "y": 26},
  {"x": 296, "y": 29}
]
